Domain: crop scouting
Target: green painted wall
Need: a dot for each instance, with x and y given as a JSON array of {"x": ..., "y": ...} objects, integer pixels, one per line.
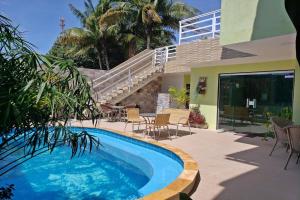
[
  {"x": 243, "y": 21},
  {"x": 208, "y": 102}
]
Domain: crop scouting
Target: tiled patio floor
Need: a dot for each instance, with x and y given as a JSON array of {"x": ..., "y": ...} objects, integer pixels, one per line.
[{"x": 234, "y": 167}]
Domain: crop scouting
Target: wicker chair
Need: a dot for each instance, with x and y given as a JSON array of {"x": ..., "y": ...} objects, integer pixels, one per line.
[
  {"x": 178, "y": 117},
  {"x": 133, "y": 116},
  {"x": 160, "y": 121},
  {"x": 279, "y": 125},
  {"x": 293, "y": 133}
]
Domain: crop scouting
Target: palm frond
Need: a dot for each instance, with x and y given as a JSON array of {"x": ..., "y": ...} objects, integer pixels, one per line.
[
  {"x": 78, "y": 13},
  {"x": 181, "y": 10},
  {"x": 111, "y": 17},
  {"x": 149, "y": 15},
  {"x": 45, "y": 91},
  {"x": 89, "y": 7}
]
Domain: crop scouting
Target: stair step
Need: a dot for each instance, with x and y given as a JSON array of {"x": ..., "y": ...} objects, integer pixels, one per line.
[
  {"x": 141, "y": 78},
  {"x": 120, "y": 87},
  {"x": 120, "y": 91},
  {"x": 108, "y": 97},
  {"x": 114, "y": 94}
]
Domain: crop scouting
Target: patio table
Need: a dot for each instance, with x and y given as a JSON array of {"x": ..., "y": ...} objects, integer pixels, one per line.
[
  {"x": 148, "y": 117},
  {"x": 119, "y": 110}
]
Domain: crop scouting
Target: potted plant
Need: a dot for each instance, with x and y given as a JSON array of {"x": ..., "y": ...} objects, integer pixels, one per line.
[
  {"x": 179, "y": 97},
  {"x": 196, "y": 118}
]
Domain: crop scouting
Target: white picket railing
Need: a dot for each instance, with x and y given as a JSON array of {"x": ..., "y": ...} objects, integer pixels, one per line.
[{"x": 200, "y": 27}]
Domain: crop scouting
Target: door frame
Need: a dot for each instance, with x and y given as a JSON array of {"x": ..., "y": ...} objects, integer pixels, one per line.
[{"x": 249, "y": 73}]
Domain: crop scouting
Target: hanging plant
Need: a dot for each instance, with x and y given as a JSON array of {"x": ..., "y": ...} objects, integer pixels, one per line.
[{"x": 201, "y": 86}]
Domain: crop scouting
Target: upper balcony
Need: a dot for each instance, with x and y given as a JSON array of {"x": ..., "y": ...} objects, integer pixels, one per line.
[{"x": 201, "y": 27}]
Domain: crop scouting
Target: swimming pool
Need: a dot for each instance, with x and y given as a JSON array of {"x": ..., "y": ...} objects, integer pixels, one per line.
[{"x": 123, "y": 168}]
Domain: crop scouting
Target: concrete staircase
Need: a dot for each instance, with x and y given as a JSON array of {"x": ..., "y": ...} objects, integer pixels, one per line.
[{"x": 128, "y": 77}]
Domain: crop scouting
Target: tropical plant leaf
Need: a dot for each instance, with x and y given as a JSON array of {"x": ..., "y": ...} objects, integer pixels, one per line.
[{"x": 38, "y": 93}]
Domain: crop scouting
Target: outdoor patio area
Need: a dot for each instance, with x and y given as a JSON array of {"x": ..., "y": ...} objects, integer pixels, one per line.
[{"x": 232, "y": 166}]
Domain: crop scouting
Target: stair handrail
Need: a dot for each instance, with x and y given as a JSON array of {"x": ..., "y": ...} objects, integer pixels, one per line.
[
  {"x": 138, "y": 61},
  {"x": 124, "y": 79},
  {"x": 132, "y": 73},
  {"x": 118, "y": 68}
]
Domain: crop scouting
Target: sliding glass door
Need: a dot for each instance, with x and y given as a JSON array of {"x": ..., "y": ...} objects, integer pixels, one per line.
[{"x": 246, "y": 100}]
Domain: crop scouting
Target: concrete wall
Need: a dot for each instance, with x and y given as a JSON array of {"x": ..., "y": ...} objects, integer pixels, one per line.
[
  {"x": 208, "y": 102},
  {"x": 243, "y": 21},
  {"x": 172, "y": 80}
]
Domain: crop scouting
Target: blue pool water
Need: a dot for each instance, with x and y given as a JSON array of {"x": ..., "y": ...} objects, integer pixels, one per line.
[{"x": 123, "y": 168}]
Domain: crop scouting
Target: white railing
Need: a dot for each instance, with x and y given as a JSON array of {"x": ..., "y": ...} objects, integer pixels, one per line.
[
  {"x": 141, "y": 66},
  {"x": 124, "y": 69},
  {"x": 200, "y": 27},
  {"x": 116, "y": 69},
  {"x": 164, "y": 54},
  {"x": 127, "y": 74}
]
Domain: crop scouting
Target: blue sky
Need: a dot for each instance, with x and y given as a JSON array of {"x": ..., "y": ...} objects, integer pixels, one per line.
[{"x": 39, "y": 19}]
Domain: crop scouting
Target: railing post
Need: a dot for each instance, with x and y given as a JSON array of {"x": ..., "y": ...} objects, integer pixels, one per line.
[
  {"x": 214, "y": 22},
  {"x": 129, "y": 79},
  {"x": 180, "y": 31},
  {"x": 154, "y": 58},
  {"x": 167, "y": 54}
]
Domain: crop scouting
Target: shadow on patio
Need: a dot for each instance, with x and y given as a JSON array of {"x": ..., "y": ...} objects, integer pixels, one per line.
[
  {"x": 164, "y": 134},
  {"x": 268, "y": 180}
]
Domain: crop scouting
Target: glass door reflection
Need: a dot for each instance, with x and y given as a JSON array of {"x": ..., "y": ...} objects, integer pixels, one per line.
[{"x": 246, "y": 99}]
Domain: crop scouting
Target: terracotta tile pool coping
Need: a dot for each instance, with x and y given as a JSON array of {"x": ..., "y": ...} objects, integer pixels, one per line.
[{"x": 185, "y": 181}]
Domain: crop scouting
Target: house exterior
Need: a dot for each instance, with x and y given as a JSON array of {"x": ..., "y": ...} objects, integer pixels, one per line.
[{"x": 240, "y": 65}]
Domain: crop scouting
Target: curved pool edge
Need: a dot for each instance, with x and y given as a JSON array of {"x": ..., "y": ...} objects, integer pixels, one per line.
[{"x": 184, "y": 183}]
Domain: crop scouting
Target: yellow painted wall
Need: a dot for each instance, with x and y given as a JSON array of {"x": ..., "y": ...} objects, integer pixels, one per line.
[
  {"x": 296, "y": 111},
  {"x": 186, "y": 79},
  {"x": 208, "y": 102}
]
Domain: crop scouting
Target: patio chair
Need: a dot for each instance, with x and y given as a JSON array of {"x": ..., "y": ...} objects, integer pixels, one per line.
[
  {"x": 133, "y": 116},
  {"x": 293, "y": 133},
  {"x": 178, "y": 117},
  {"x": 107, "y": 111},
  {"x": 278, "y": 125},
  {"x": 160, "y": 121}
]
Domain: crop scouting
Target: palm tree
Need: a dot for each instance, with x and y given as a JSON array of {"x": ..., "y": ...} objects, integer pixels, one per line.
[
  {"x": 152, "y": 18},
  {"x": 97, "y": 25},
  {"x": 37, "y": 91}
]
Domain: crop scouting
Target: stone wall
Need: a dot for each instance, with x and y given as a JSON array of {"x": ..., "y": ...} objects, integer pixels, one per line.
[{"x": 146, "y": 97}]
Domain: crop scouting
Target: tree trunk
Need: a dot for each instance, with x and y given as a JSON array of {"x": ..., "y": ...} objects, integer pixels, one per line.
[
  {"x": 105, "y": 56},
  {"x": 99, "y": 62},
  {"x": 131, "y": 48},
  {"x": 99, "y": 59},
  {"x": 148, "y": 41},
  {"x": 148, "y": 38}
]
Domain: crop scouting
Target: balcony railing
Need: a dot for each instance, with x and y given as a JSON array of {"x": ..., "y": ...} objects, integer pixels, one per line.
[
  {"x": 164, "y": 54},
  {"x": 200, "y": 27}
]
